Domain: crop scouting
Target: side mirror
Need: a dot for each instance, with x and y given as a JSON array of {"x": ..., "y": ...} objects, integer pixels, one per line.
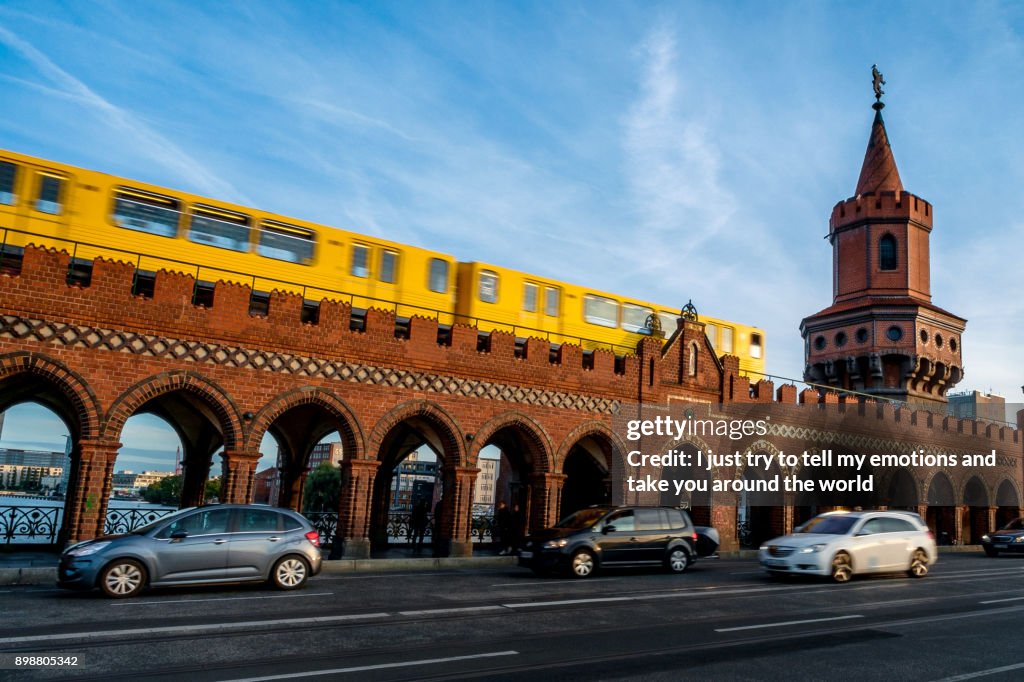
[
  {"x": 179, "y": 535},
  {"x": 608, "y": 529}
]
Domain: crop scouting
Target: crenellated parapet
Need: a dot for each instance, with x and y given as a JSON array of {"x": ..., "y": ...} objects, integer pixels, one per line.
[{"x": 880, "y": 206}]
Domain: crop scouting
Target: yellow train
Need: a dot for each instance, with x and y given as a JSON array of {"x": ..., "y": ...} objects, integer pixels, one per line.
[{"x": 92, "y": 214}]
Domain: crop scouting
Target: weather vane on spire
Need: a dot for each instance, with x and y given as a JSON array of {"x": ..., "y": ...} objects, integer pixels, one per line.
[{"x": 877, "y": 81}]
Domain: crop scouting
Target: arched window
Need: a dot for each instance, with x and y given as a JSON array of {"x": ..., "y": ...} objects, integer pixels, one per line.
[
  {"x": 693, "y": 360},
  {"x": 887, "y": 252}
]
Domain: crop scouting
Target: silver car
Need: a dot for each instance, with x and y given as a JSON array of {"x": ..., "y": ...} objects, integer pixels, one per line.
[
  {"x": 842, "y": 544},
  {"x": 199, "y": 545}
]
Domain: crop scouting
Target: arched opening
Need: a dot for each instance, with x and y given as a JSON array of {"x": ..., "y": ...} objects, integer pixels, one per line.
[
  {"x": 941, "y": 509},
  {"x": 1007, "y": 504},
  {"x": 588, "y": 472},
  {"x": 902, "y": 491},
  {"x": 696, "y": 501},
  {"x": 518, "y": 505},
  {"x": 759, "y": 510},
  {"x": 976, "y": 522}
]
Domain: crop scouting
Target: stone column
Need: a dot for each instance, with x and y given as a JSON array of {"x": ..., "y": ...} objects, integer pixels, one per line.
[
  {"x": 85, "y": 510},
  {"x": 991, "y": 519},
  {"x": 547, "y": 500},
  {"x": 353, "y": 532},
  {"x": 961, "y": 530},
  {"x": 724, "y": 520},
  {"x": 457, "y": 516},
  {"x": 238, "y": 476}
]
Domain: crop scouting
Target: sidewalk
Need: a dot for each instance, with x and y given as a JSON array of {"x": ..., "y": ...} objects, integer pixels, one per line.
[{"x": 40, "y": 568}]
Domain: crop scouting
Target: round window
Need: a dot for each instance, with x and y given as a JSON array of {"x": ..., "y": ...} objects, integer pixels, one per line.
[
  {"x": 952, "y": 345},
  {"x": 819, "y": 343},
  {"x": 841, "y": 339},
  {"x": 894, "y": 333},
  {"x": 924, "y": 336},
  {"x": 862, "y": 335},
  {"x": 938, "y": 340}
]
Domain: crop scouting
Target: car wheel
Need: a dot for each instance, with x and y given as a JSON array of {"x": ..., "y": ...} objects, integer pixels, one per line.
[
  {"x": 122, "y": 578},
  {"x": 583, "y": 564},
  {"x": 677, "y": 560},
  {"x": 918, "y": 564},
  {"x": 290, "y": 573},
  {"x": 842, "y": 567},
  {"x": 991, "y": 552}
]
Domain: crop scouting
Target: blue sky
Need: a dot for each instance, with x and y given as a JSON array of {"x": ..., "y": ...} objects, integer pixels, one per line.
[{"x": 665, "y": 151}]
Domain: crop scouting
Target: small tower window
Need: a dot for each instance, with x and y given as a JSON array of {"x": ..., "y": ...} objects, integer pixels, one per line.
[{"x": 887, "y": 252}]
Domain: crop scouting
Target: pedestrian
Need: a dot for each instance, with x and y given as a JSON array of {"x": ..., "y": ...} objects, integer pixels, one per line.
[
  {"x": 418, "y": 525},
  {"x": 503, "y": 528},
  {"x": 518, "y": 526}
]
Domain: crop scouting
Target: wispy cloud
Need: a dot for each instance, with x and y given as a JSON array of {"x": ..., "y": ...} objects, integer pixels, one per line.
[{"x": 158, "y": 148}]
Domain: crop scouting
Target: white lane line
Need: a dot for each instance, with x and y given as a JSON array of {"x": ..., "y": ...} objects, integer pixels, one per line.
[
  {"x": 204, "y": 601},
  {"x": 996, "y": 601},
  {"x": 379, "y": 666},
  {"x": 464, "y": 609},
  {"x": 571, "y": 581},
  {"x": 785, "y": 623},
  {"x": 982, "y": 673},
  {"x": 210, "y": 627},
  {"x": 567, "y": 602}
]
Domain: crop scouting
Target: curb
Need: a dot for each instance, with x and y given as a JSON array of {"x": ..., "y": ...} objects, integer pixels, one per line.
[{"x": 28, "y": 576}]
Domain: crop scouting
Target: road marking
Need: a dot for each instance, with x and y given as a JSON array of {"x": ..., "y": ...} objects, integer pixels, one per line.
[
  {"x": 570, "y": 581},
  {"x": 211, "y": 627},
  {"x": 996, "y": 601},
  {"x": 380, "y": 576},
  {"x": 785, "y": 623},
  {"x": 982, "y": 673},
  {"x": 464, "y": 609},
  {"x": 203, "y": 601},
  {"x": 567, "y": 602},
  {"x": 379, "y": 666}
]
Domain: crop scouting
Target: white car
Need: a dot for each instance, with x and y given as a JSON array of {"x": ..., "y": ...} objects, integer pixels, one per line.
[{"x": 842, "y": 544}]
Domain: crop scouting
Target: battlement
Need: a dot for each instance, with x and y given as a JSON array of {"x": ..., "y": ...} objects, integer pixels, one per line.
[
  {"x": 107, "y": 294},
  {"x": 895, "y": 205}
]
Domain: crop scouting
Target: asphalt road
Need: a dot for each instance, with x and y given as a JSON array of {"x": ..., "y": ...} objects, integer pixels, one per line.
[{"x": 722, "y": 620}]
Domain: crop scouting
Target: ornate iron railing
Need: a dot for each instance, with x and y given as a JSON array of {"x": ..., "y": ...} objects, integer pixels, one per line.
[
  {"x": 127, "y": 520},
  {"x": 29, "y": 524}
]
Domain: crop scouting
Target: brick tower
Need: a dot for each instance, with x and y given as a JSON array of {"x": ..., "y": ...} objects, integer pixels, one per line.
[{"x": 882, "y": 335}]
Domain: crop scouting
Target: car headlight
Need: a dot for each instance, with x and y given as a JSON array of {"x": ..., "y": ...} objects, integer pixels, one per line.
[
  {"x": 812, "y": 548},
  {"x": 87, "y": 549},
  {"x": 555, "y": 544},
  {"x": 985, "y": 538},
  {"x": 1019, "y": 538}
]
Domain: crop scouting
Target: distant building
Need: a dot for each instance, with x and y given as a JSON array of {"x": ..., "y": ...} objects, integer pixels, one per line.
[
  {"x": 266, "y": 486},
  {"x": 414, "y": 479},
  {"x": 977, "y": 405},
  {"x": 483, "y": 489},
  {"x": 325, "y": 452},
  {"x": 131, "y": 483},
  {"x": 33, "y": 469},
  {"x": 37, "y": 458}
]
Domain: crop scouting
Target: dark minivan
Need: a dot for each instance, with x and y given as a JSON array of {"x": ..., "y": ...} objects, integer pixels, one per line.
[{"x": 613, "y": 536}]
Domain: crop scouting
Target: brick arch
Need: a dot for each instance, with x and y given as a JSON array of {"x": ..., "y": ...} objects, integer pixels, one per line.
[
  {"x": 129, "y": 402},
  {"x": 593, "y": 428},
  {"x": 352, "y": 436},
  {"x": 535, "y": 434},
  {"x": 70, "y": 384},
  {"x": 452, "y": 435}
]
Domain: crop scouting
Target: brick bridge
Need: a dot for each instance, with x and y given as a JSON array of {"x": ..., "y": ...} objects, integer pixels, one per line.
[{"x": 98, "y": 354}]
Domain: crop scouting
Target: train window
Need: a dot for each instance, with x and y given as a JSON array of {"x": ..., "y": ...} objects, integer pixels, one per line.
[
  {"x": 220, "y": 228},
  {"x": 634, "y": 317},
  {"x": 530, "y": 297},
  {"x": 600, "y": 310},
  {"x": 488, "y": 289},
  {"x": 438, "y": 278},
  {"x": 286, "y": 242},
  {"x": 388, "y": 264},
  {"x": 755, "y": 346},
  {"x": 8, "y": 171},
  {"x": 551, "y": 301},
  {"x": 726, "y": 340},
  {"x": 146, "y": 212},
  {"x": 48, "y": 200},
  {"x": 360, "y": 260},
  {"x": 711, "y": 331},
  {"x": 669, "y": 322}
]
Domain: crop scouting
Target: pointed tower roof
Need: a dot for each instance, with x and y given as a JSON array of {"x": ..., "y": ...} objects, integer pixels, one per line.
[{"x": 879, "y": 172}]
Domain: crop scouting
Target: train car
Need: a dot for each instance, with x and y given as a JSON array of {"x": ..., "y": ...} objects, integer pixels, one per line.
[
  {"x": 91, "y": 214},
  {"x": 494, "y": 297}
]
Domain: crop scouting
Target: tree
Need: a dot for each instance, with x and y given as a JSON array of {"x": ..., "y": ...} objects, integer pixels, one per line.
[
  {"x": 166, "y": 491},
  {"x": 323, "y": 487},
  {"x": 212, "y": 493}
]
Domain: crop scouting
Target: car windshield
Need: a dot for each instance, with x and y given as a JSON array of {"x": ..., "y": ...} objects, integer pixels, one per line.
[
  {"x": 1016, "y": 524},
  {"x": 584, "y": 518},
  {"x": 829, "y": 525},
  {"x": 143, "y": 530}
]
